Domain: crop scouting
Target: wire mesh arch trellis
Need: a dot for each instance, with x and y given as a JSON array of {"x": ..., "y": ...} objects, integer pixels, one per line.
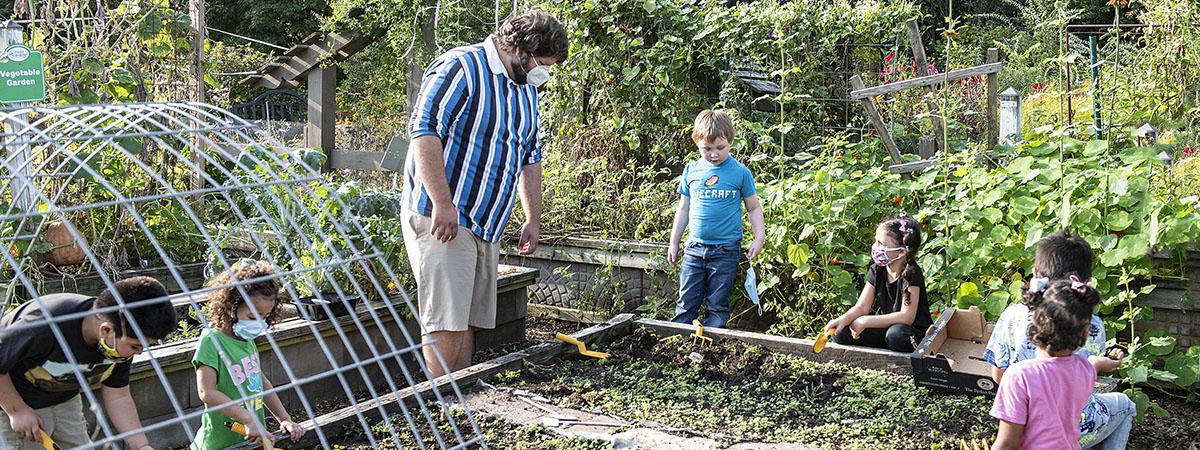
[{"x": 91, "y": 171}]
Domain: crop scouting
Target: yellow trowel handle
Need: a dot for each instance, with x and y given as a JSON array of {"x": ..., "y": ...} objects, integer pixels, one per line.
[
  {"x": 582, "y": 347},
  {"x": 239, "y": 428},
  {"x": 48, "y": 443}
]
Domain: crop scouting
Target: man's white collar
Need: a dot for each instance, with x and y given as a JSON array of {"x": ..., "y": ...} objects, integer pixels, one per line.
[{"x": 493, "y": 57}]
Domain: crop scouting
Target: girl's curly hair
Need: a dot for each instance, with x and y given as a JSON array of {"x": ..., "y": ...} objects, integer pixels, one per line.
[
  {"x": 224, "y": 302},
  {"x": 1062, "y": 319}
]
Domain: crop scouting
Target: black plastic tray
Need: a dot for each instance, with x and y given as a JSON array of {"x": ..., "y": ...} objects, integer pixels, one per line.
[{"x": 315, "y": 306}]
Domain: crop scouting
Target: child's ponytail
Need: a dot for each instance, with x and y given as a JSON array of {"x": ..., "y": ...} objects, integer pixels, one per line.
[{"x": 907, "y": 231}]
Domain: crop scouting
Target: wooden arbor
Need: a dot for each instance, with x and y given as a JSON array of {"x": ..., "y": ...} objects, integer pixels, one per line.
[
  {"x": 313, "y": 61},
  {"x": 866, "y": 96}
]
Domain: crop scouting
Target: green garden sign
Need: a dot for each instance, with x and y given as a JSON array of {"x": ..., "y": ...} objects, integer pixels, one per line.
[{"x": 22, "y": 75}]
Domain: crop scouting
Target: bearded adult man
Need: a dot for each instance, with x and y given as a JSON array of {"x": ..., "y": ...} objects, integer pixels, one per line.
[{"x": 474, "y": 143}]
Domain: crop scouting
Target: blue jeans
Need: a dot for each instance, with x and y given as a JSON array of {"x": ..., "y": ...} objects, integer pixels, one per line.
[
  {"x": 1115, "y": 433},
  {"x": 707, "y": 278}
]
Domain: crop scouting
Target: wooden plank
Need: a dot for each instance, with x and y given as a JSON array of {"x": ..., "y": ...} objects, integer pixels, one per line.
[
  {"x": 915, "y": 166},
  {"x": 927, "y": 147},
  {"x": 870, "y": 358},
  {"x": 868, "y": 103},
  {"x": 332, "y": 422},
  {"x": 918, "y": 47},
  {"x": 993, "y": 101},
  {"x": 339, "y": 159},
  {"x": 931, "y": 80}
]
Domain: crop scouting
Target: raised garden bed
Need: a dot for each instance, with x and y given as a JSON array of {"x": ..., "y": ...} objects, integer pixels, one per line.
[{"x": 746, "y": 390}]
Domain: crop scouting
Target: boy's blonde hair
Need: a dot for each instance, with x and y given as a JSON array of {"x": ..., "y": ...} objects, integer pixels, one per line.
[{"x": 711, "y": 124}]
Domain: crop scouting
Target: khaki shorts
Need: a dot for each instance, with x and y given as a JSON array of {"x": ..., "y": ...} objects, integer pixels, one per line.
[
  {"x": 64, "y": 423},
  {"x": 456, "y": 280}
]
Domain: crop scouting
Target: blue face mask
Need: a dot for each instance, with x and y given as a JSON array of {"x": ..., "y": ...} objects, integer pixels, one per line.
[
  {"x": 1038, "y": 285},
  {"x": 249, "y": 329},
  {"x": 751, "y": 286}
]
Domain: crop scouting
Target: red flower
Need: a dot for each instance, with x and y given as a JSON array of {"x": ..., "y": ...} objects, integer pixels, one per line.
[{"x": 889, "y": 57}]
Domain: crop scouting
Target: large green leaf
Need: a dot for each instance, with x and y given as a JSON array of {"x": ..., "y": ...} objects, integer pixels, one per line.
[
  {"x": 968, "y": 294},
  {"x": 1118, "y": 220},
  {"x": 1025, "y": 205},
  {"x": 1137, "y": 374}
]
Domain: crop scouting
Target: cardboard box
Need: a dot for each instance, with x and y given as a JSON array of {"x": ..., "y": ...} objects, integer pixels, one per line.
[{"x": 950, "y": 357}]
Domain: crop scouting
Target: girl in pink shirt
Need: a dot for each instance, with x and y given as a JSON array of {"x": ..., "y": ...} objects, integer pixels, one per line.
[{"x": 1040, "y": 400}]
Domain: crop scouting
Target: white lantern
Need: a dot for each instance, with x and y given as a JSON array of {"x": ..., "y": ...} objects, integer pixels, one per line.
[{"x": 1010, "y": 117}]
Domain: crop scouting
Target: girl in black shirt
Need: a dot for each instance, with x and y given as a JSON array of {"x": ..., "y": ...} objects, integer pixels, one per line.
[{"x": 893, "y": 310}]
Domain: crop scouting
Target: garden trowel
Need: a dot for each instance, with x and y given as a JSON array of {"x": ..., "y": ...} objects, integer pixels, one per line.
[
  {"x": 582, "y": 347},
  {"x": 239, "y": 428},
  {"x": 47, "y": 443},
  {"x": 822, "y": 339}
]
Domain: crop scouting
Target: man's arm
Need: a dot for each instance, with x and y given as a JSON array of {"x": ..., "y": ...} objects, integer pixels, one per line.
[
  {"x": 530, "y": 189},
  {"x": 431, "y": 169},
  {"x": 123, "y": 414},
  {"x": 22, "y": 418}
]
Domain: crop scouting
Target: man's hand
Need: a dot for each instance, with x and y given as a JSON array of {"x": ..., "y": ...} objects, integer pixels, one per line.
[
  {"x": 444, "y": 223},
  {"x": 755, "y": 248},
  {"x": 529, "y": 238},
  {"x": 26, "y": 423},
  {"x": 673, "y": 253},
  {"x": 291, "y": 429}
]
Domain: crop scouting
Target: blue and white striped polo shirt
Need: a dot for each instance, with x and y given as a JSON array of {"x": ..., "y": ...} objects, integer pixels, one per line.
[{"x": 488, "y": 125}]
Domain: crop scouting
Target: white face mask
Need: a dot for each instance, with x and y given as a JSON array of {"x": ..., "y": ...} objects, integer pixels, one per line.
[{"x": 538, "y": 75}]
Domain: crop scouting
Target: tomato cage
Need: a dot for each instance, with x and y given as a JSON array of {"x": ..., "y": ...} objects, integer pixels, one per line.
[{"x": 182, "y": 193}]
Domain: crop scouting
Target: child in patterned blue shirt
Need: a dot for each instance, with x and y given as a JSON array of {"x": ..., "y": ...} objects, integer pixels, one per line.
[{"x": 1107, "y": 418}]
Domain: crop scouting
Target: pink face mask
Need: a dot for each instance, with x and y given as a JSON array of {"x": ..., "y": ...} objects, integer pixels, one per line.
[{"x": 880, "y": 256}]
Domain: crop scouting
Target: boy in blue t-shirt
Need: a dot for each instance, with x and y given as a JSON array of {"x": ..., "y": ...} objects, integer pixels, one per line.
[{"x": 712, "y": 190}]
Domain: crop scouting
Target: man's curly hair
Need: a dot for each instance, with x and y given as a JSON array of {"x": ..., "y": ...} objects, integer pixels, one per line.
[
  {"x": 536, "y": 33},
  {"x": 1062, "y": 319},
  {"x": 224, "y": 302}
]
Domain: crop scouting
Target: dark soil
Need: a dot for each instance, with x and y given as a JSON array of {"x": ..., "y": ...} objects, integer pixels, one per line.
[
  {"x": 537, "y": 330},
  {"x": 1180, "y": 430},
  {"x": 743, "y": 393},
  {"x": 497, "y": 432}
]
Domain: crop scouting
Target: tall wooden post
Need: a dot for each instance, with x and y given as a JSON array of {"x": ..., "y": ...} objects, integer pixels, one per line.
[
  {"x": 918, "y": 48},
  {"x": 320, "y": 129},
  {"x": 200, "y": 92},
  {"x": 993, "y": 102}
]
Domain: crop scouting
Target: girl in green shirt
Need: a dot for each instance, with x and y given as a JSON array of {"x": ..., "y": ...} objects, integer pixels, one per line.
[{"x": 227, "y": 359}]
